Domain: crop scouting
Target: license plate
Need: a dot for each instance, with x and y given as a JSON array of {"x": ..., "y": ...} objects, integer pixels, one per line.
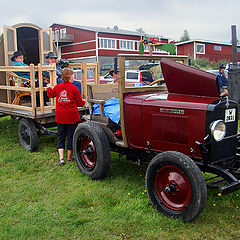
[{"x": 230, "y": 115}]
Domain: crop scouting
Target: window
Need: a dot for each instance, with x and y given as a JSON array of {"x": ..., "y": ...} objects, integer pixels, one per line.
[
  {"x": 127, "y": 45},
  {"x": 217, "y": 48},
  {"x": 107, "y": 43},
  {"x": 238, "y": 50},
  {"x": 63, "y": 33},
  {"x": 56, "y": 35},
  {"x": 78, "y": 75},
  {"x": 146, "y": 47},
  {"x": 200, "y": 48},
  {"x": 132, "y": 75}
]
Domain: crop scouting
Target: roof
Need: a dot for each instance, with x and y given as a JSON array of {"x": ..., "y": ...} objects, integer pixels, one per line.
[
  {"x": 115, "y": 30},
  {"x": 204, "y": 41}
]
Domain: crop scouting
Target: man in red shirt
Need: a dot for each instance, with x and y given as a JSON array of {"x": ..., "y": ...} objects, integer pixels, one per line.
[{"x": 67, "y": 116}]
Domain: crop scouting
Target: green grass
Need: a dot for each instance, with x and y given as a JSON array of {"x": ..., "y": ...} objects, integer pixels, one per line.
[{"x": 40, "y": 200}]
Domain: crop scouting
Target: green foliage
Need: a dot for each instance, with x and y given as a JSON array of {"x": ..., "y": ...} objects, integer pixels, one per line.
[
  {"x": 168, "y": 47},
  {"x": 204, "y": 63},
  {"x": 40, "y": 200},
  {"x": 185, "y": 36}
]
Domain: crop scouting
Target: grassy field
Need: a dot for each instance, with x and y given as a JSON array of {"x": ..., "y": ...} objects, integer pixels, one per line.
[{"x": 40, "y": 200}]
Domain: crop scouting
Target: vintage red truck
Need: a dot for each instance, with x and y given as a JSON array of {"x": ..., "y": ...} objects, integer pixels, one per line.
[{"x": 180, "y": 132}]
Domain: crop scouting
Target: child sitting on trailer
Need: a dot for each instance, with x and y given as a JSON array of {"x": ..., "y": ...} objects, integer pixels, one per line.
[{"x": 67, "y": 116}]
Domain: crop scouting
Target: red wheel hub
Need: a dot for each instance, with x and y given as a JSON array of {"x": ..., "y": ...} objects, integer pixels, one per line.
[
  {"x": 87, "y": 152},
  {"x": 173, "y": 188}
]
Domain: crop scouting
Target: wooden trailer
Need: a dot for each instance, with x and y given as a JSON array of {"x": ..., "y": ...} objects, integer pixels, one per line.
[{"x": 19, "y": 101}]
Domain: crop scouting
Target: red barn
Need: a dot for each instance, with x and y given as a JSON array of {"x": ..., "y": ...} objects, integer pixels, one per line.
[
  {"x": 90, "y": 44},
  {"x": 212, "y": 50}
]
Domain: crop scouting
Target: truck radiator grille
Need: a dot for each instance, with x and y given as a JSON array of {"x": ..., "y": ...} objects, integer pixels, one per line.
[{"x": 170, "y": 128}]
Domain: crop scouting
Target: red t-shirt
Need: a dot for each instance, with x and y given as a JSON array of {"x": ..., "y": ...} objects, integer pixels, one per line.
[{"x": 68, "y": 99}]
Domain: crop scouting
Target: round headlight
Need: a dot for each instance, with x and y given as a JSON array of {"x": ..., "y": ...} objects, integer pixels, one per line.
[{"x": 218, "y": 130}]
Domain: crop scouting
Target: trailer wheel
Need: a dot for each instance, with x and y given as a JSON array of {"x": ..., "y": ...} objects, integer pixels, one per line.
[
  {"x": 27, "y": 134},
  {"x": 91, "y": 150},
  {"x": 14, "y": 118},
  {"x": 176, "y": 186}
]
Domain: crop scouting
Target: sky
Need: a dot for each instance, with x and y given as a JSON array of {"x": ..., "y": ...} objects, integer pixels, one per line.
[{"x": 205, "y": 19}]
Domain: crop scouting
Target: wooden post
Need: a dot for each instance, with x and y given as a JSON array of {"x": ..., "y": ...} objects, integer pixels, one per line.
[
  {"x": 53, "y": 81},
  {"x": 95, "y": 73},
  {"x": 54, "y": 73},
  {"x": 84, "y": 81},
  {"x": 151, "y": 50},
  {"x": 7, "y": 52},
  {"x": 98, "y": 72},
  {"x": 121, "y": 91},
  {"x": 8, "y": 92},
  {"x": 185, "y": 61},
  {"x": 40, "y": 78},
  {"x": 33, "y": 91}
]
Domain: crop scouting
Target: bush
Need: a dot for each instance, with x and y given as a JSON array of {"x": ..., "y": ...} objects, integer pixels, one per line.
[{"x": 204, "y": 63}]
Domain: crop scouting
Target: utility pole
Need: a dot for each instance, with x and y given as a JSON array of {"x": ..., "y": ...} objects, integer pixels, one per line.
[{"x": 234, "y": 71}]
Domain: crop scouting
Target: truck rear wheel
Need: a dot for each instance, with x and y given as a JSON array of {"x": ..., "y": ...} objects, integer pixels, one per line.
[
  {"x": 91, "y": 150},
  {"x": 27, "y": 134},
  {"x": 176, "y": 186}
]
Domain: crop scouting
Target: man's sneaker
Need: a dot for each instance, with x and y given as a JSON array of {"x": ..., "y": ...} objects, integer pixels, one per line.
[{"x": 61, "y": 162}]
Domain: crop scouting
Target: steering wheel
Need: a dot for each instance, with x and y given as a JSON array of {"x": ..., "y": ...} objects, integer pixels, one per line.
[{"x": 156, "y": 81}]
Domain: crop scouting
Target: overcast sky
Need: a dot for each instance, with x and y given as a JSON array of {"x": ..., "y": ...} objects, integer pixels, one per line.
[{"x": 205, "y": 19}]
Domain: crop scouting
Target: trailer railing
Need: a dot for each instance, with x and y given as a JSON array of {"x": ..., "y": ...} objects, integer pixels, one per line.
[
  {"x": 33, "y": 109},
  {"x": 39, "y": 91},
  {"x": 84, "y": 67}
]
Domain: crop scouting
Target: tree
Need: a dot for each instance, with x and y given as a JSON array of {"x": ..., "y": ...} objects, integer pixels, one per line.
[
  {"x": 140, "y": 30},
  {"x": 185, "y": 36}
]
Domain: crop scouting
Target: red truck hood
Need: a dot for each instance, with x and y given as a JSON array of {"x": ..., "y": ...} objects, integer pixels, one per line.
[{"x": 183, "y": 79}]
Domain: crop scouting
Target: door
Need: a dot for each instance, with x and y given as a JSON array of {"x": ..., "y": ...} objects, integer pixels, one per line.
[
  {"x": 46, "y": 43},
  {"x": 10, "y": 43}
]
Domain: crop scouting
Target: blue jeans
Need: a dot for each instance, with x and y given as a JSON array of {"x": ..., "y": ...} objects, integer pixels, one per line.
[{"x": 63, "y": 131}]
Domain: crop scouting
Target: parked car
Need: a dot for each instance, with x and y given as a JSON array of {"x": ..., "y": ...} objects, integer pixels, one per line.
[
  {"x": 131, "y": 76},
  {"x": 105, "y": 68},
  {"x": 78, "y": 75},
  {"x": 139, "y": 76},
  {"x": 107, "y": 78}
]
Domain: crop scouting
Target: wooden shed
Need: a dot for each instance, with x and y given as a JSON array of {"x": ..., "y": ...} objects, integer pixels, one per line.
[{"x": 33, "y": 41}]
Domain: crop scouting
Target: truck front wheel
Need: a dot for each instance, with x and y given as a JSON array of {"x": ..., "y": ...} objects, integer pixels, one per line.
[
  {"x": 91, "y": 150},
  {"x": 176, "y": 186}
]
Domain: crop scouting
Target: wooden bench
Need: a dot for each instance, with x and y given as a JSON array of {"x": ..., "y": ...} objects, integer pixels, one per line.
[{"x": 99, "y": 93}]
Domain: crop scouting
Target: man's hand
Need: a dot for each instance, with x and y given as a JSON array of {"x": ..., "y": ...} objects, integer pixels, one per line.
[
  {"x": 224, "y": 92},
  {"x": 49, "y": 85}
]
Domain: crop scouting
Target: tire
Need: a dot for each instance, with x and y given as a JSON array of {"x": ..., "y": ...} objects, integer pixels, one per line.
[
  {"x": 176, "y": 186},
  {"x": 14, "y": 118},
  {"x": 91, "y": 150},
  {"x": 27, "y": 134}
]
